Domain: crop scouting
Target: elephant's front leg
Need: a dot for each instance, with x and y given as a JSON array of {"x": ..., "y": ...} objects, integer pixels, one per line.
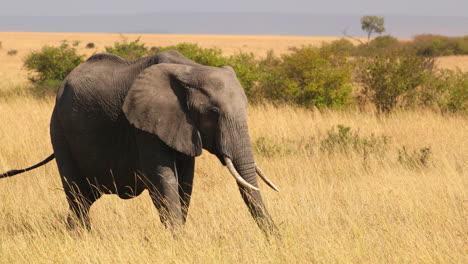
[
  {"x": 185, "y": 169},
  {"x": 165, "y": 196},
  {"x": 158, "y": 163}
]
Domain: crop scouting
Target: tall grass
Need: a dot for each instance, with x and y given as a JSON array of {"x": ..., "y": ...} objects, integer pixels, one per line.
[{"x": 334, "y": 207}]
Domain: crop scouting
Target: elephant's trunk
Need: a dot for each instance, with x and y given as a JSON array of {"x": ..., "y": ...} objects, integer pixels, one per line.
[
  {"x": 237, "y": 147},
  {"x": 236, "y": 175},
  {"x": 245, "y": 165}
]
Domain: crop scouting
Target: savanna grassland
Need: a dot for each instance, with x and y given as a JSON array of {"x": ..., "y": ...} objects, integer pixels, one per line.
[{"x": 355, "y": 187}]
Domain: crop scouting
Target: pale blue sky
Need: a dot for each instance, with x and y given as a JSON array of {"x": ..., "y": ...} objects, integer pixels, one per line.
[{"x": 358, "y": 7}]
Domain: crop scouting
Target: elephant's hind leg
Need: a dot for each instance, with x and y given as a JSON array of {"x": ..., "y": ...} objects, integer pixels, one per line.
[
  {"x": 80, "y": 197},
  {"x": 79, "y": 193}
]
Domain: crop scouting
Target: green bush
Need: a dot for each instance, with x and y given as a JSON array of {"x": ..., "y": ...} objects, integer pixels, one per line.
[
  {"x": 344, "y": 140},
  {"x": 309, "y": 77},
  {"x": 129, "y": 50},
  {"x": 205, "y": 56},
  {"x": 437, "y": 45},
  {"x": 410, "y": 81},
  {"x": 377, "y": 46},
  {"x": 341, "y": 46},
  {"x": 49, "y": 66},
  {"x": 447, "y": 89},
  {"x": 266, "y": 148},
  {"x": 384, "y": 42},
  {"x": 90, "y": 45},
  {"x": 414, "y": 159},
  {"x": 392, "y": 78},
  {"x": 389, "y": 73},
  {"x": 248, "y": 72},
  {"x": 421, "y": 45}
]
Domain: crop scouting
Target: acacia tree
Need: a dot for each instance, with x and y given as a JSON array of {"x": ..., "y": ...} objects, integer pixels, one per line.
[{"x": 372, "y": 24}]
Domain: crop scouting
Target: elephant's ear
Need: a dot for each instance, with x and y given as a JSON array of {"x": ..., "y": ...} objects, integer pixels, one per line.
[{"x": 156, "y": 103}]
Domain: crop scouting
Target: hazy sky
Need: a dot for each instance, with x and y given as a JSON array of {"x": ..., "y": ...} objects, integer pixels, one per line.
[{"x": 360, "y": 7}]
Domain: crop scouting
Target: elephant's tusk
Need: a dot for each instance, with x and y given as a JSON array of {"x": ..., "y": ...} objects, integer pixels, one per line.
[
  {"x": 265, "y": 179},
  {"x": 236, "y": 175}
]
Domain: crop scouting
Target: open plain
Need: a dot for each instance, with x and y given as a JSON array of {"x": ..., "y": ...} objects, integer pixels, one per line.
[{"x": 401, "y": 200}]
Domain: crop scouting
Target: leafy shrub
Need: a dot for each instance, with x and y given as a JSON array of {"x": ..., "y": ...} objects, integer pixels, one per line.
[
  {"x": 128, "y": 50},
  {"x": 377, "y": 46},
  {"x": 248, "y": 72},
  {"x": 265, "y": 148},
  {"x": 408, "y": 80},
  {"x": 384, "y": 42},
  {"x": 392, "y": 78},
  {"x": 343, "y": 140},
  {"x": 51, "y": 65},
  {"x": 341, "y": 46},
  {"x": 414, "y": 159},
  {"x": 90, "y": 45},
  {"x": 437, "y": 45},
  {"x": 12, "y": 52},
  {"x": 205, "y": 56},
  {"x": 309, "y": 77},
  {"x": 447, "y": 89}
]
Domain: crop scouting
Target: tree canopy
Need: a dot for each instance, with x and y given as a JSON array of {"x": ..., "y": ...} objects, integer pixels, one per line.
[{"x": 372, "y": 24}]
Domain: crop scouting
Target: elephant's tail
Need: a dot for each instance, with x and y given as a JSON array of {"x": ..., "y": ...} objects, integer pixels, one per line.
[{"x": 14, "y": 172}]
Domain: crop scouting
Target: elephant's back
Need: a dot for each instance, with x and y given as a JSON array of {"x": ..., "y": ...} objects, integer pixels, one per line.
[
  {"x": 95, "y": 76},
  {"x": 95, "y": 89}
]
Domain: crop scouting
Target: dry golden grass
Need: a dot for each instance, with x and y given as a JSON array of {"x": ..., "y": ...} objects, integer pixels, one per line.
[
  {"x": 453, "y": 62},
  {"x": 332, "y": 208}
]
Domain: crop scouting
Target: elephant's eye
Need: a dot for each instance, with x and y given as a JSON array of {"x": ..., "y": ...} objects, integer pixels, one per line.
[{"x": 214, "y": 110}]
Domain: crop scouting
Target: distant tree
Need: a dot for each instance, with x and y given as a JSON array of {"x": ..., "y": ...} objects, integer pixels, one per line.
[{"x": 372, "y": 24}]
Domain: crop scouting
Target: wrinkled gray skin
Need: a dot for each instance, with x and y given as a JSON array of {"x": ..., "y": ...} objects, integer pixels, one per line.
[{"x": 122, "y": 127}]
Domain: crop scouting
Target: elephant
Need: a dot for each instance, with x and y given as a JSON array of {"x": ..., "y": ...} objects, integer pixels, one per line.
[{"x": 121, "y": 127}]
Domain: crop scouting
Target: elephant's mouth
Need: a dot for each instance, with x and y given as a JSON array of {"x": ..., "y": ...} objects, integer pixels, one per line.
[{"x": 221, "y": 158}]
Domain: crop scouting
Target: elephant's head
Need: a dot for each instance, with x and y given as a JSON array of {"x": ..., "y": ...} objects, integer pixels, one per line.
[{"x": 195, "y": 107}]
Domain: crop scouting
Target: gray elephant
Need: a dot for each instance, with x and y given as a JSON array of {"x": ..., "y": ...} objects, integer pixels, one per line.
[{"x": 121, "y": 127}]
